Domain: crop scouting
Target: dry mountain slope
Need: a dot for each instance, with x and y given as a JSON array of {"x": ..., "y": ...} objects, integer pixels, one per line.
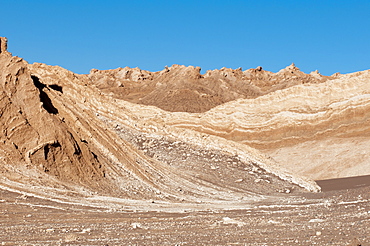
[
  {"x": 180, "y": 88},
  {"x": 63, "y": 138}
]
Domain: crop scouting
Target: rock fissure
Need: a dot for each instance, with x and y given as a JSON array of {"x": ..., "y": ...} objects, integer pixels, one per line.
[{"x": 44, "y": 98}]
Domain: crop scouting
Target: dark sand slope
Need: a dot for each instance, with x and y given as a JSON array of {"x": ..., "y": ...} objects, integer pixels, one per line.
[{"x": 344, "y": 183}]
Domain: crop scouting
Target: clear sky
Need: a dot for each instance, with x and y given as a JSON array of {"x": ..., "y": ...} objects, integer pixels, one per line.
[{"x": 330, "y": 36}]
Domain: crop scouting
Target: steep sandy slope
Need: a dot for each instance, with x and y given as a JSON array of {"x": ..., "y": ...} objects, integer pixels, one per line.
[{"x": 61, "y": 137}]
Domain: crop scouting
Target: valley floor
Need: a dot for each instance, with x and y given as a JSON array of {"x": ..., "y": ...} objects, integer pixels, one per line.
[{"x": 337, "y": 217}]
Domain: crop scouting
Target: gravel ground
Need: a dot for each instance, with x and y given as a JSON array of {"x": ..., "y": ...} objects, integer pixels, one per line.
[{"x": 339, "y": 217}]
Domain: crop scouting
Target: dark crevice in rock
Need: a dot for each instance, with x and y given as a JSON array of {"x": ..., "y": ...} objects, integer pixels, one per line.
[
  {"x": 95, "y": 156},
  {"x": 75, "y": 145},
  {"x": 56, "y": 88},
  {"x": 47, "y": 148},
  {"x": 44, "y": 98}
]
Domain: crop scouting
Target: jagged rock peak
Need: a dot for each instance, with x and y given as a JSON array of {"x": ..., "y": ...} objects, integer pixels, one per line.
[
  {"x": 182, "y": 69},
  {"x": 290, "y": 68},
  {"x": 316, "y": 73},
  {"x": 3, "y": 45}
]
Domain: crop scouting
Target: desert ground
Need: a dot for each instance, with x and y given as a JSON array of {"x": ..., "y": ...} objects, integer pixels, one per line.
[{"x": 340, "y": 217}]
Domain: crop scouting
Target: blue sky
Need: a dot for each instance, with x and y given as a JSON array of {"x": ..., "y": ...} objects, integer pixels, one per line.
[{"x": 330, "y": 36}]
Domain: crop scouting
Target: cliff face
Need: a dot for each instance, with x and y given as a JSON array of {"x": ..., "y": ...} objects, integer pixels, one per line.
[{"x": 63, "y": 137}]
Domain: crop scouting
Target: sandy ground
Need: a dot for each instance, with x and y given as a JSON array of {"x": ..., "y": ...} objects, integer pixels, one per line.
[{"x": 336, "y": 217}]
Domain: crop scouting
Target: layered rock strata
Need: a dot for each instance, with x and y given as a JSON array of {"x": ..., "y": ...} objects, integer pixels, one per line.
[
  {"x": 318, "y": 130},
  {"x": 311, "y": 124}
]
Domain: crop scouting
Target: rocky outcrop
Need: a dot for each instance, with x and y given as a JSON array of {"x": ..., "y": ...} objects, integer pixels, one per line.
[
  {"x": 33, "y": 132},
  {"x": 3, "y": 45}
]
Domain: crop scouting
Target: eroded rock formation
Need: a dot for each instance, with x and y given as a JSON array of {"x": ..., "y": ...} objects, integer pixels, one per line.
[
  {"x": 61, "y": 136},
  {"x": 178, "y": 135}
]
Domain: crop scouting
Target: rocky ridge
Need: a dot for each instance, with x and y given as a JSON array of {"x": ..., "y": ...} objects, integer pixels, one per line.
[{"x": 180, "y": 88}]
